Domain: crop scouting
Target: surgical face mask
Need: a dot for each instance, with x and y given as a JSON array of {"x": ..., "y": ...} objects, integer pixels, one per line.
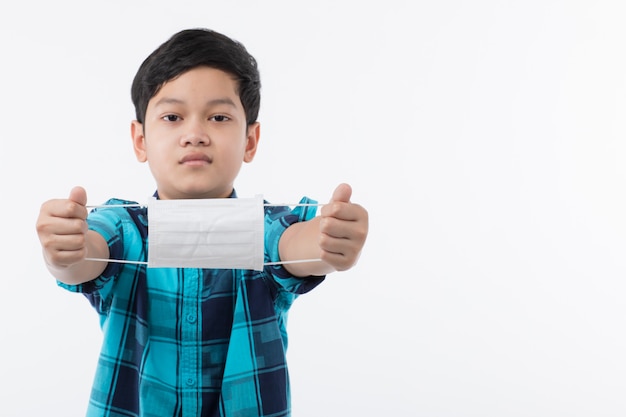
[{"x": 206, "y": 233}]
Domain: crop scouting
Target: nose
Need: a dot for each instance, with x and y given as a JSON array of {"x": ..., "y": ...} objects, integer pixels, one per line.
[{"x": 195, "y": 136}]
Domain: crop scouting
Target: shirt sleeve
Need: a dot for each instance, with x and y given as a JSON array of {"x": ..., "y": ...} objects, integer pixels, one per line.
[
  {"x": 277, "y": 220},
  {"x": 111, "y": 224}
]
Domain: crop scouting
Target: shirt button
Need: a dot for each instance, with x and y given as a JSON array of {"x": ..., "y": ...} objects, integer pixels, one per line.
[
  {"x": 191, "y": 381},
  {"x": 191, "y": 318}
]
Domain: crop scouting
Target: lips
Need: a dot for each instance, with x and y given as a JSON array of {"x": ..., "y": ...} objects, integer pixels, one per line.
[{"x": 195, "y": 159}]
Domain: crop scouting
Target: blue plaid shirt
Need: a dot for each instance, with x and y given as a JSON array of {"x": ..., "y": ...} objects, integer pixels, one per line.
[{"x": 190, "y": 342}]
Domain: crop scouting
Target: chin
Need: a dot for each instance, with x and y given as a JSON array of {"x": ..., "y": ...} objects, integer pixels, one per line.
[{"x": 204, "y": 192}]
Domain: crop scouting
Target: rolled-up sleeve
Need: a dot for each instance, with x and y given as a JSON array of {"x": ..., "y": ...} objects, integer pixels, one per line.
[{"x": 277, "y": 220}]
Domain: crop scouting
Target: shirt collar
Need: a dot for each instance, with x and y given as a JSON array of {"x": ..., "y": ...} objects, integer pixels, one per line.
[{"x": 232, "y": 195}]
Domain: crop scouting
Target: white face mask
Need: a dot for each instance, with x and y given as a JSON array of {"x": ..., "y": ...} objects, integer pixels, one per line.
[{"x": 206, "y": 233}]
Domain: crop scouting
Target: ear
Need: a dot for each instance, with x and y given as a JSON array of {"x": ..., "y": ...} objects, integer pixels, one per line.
[
  {"x": 139, "y": 142},
  {"x": 252, "y": 140}
]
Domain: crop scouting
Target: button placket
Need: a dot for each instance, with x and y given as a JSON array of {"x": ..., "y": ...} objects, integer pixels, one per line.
[{"x": 190, "y": 342}]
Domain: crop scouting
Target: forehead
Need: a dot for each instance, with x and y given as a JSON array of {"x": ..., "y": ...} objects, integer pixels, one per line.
[{"x": 200, "y": 83}]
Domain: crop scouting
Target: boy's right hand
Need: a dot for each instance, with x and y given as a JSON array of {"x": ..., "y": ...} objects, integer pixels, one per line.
[{"x": 62, "y": 229}]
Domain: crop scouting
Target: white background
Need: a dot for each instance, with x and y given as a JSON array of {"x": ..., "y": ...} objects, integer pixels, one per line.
[{"x": 486, "y": 139}]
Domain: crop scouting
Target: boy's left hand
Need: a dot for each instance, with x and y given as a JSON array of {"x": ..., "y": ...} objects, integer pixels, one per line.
[{"x": 343, "y": 229}]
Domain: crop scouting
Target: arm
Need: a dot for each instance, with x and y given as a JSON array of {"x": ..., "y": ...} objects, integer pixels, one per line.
[
  {"x": 336, "y": 237},
  {"x": 66, "y": 240}
]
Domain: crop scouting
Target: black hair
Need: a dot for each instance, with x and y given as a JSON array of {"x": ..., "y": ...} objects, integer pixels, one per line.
[{"x": 191, "y": 48}]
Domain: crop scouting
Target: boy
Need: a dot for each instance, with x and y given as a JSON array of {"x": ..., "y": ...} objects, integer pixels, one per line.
[{"x": 186, "y": 341}]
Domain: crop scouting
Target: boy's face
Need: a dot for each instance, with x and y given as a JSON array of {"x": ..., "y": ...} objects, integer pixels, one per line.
[{"x": 195, "y": 137}]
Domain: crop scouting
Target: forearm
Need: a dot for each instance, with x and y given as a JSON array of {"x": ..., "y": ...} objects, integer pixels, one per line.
[{"x": 301, "y": 242}]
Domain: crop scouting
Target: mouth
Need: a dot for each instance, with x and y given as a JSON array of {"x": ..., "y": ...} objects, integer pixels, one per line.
[{"x": 195, "y": 159}]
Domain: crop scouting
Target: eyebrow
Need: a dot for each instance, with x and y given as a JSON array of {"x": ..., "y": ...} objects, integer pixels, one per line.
[{"x": 214, "y": 102}]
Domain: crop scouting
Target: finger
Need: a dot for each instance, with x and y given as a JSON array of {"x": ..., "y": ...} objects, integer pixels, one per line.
[
  {"x": 56, "y": 232},
  {"x": 344, "y": 211},
  {"x": 64, "y": 257},
  {"x": 71, "y": 226},
  {"x": 340, "y": 253},
  {"x": 339, "y": 202},
  {"x": 79, "y": 195},
  {"x": 67, "y": 242},
  {"x": 335, "y": 227},
  {"x": 338, "y": 261},
  {"x": 75, "y": 205},
  {"x": 343, "y": 192}
]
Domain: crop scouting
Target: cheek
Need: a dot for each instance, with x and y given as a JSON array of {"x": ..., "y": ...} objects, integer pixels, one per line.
[
  {"x": 156, "y": 146},
  {"x": 157, "y": 154}
]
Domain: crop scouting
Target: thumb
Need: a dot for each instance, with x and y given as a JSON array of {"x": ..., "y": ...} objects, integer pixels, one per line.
[
  {"x": 79, "y": 195},
  {"x": 343, "y": 192}
]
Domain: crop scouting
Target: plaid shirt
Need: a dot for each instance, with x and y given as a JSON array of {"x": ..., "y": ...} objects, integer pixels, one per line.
[{"x": 190, "y": 342}]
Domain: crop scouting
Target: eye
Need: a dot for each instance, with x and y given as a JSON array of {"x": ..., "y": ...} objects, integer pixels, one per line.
[
  {"x": 171, "y": 118},
  {"x": 220, "y": 118}
]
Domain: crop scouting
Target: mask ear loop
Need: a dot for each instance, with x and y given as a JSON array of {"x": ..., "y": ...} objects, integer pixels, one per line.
[
  {"x": 145, "y": 205},
  {"x": 122, "y": 261}
]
